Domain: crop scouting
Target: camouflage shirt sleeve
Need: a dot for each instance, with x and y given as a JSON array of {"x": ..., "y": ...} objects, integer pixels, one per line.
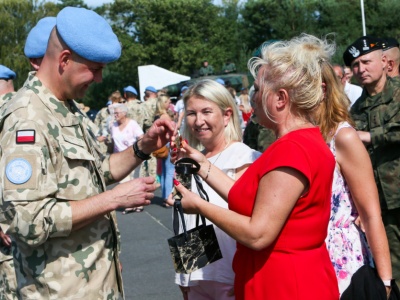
[{"x": 30, "y": 184}]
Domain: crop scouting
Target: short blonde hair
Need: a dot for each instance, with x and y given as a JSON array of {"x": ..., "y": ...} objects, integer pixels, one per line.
[
  {"x": 213, "y": 91},
  {"x": 295, "y": 66}
]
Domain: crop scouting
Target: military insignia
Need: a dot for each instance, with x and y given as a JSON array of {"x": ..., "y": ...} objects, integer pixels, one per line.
[
  {"x": 353, "y": 51},
  {"x": 25, "y": 136},
  {"x": 18, "y": 171}
]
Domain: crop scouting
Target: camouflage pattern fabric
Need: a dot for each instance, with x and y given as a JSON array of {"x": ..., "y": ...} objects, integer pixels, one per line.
[
  {"x": 229, "y": 68},
  {"x": 380, "y": 115},
  {"x": 101, "y": 121},
  {"x": 149, "y": 108},
  {"x": 136, "y": 111},
  {"x": 62, "y": 164},
  {"x": 8, "y": 280},
  {"x": 258, "y": 137}
]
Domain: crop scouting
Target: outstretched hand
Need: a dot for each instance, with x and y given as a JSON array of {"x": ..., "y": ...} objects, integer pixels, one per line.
[{"x": 134, "y": 193}]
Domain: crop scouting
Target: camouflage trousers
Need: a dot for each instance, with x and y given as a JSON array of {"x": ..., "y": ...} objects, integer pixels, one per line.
[
  {"x": 8, "y": 281},
  {"x": 149, "y": 168},
  {"x": 391, "y": 220}
]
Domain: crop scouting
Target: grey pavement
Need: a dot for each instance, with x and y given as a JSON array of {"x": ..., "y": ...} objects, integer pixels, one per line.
[{"x": 147, "y": 267}]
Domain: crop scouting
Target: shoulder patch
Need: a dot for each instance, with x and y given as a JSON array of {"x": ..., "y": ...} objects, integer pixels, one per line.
[
  {"x": 18, "y": 171},
  {"x": 26, "y": 136}
]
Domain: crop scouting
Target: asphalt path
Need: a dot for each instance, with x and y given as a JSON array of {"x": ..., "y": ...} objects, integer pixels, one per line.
[{"x": 147, "y": 267}]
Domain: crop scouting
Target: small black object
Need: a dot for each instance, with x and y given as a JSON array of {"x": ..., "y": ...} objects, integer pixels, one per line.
[{"x": 139, "y": 153}]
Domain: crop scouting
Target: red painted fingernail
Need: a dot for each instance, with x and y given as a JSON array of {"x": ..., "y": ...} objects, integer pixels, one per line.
[
  {"x": 176, "y": 182},
  {"x": 186, "y": 141},
  {"x": 174, "y": 150}
]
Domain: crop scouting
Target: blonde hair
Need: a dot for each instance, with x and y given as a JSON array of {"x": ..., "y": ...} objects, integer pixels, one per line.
[
  {"x": 213, "y": 91},
  {"x": 334, "y": 109},
  {"x": 295, "y": 66},
  {"x": 161, "y": 105}
]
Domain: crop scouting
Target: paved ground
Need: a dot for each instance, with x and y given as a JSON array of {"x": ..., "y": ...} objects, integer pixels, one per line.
[{"x": 148, "y": 270}]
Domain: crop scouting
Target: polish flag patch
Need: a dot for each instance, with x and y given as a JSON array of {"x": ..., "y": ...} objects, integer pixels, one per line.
[{"x": 25, "y": 136}]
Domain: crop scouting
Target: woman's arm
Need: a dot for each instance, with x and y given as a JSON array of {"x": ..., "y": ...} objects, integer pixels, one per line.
[
  {"x": 356, "y": 168},
  {"x": 277, "y": 194}
]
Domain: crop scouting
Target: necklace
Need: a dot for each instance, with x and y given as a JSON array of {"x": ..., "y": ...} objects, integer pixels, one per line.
[{"x": 219, "y": 154}]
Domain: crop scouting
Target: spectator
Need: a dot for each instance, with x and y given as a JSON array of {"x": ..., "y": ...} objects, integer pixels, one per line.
[
  {"x": 352, "y": 91},
  {"x": 167, "y": 168},
  {"x": 279, "y": 209},
  {"x": 392, "y": 52},
  {"x": 377, "y": 124},
  {"x": 228, "y": 67},
  {"x": 212, "y": 123},
  {"x": 354, "y": 193}
]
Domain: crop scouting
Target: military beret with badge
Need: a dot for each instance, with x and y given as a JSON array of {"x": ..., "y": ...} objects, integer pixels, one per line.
[
  {"x": 360, "y": 47},
  {"x": 130, "y": 89},
  {"x": 389, "y": 43}
]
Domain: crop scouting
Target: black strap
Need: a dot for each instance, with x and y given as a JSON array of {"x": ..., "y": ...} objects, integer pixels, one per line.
[{"x": 188, "y": 166}]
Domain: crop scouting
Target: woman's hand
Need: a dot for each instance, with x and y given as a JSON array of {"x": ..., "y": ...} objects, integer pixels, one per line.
[
  {"x": 189, "y": 199},
  {"x": 186, "y": 151}
]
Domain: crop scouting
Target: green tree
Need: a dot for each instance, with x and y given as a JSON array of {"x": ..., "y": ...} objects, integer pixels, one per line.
[{"x": 17, "y": 18}]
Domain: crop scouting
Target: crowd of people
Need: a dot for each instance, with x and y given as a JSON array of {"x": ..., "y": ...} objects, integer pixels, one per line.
[{"x": 301, "y": 169}]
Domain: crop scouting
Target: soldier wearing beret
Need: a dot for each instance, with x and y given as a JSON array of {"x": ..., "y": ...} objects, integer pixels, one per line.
[
  {"x": 54, "y": 175},
  {"x": 8, "y": 286},
  {"x": 377, "y": 117},
  {"x": 36, "y": 42},
  {"x": 135, "y": 107}
]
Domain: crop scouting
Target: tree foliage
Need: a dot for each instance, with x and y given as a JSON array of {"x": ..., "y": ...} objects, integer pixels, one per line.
[{"x": 179, "y": 34}]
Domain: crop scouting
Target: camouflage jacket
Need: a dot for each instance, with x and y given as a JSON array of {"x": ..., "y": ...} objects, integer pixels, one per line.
[
  {"x": 101, "y": 122},
  {"x": 136, "y": 111},
  {"x": 380, "y": 116},
  {"x": 49, "y": 156},
  {"x": 149, "y": 108}
]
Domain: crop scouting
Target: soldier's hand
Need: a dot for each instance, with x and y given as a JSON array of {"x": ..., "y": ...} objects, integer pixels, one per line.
[
  {"x": 5, "y": 239},
  {"x": 157, "y": 136},
  {"x": 136, "y": 192}
]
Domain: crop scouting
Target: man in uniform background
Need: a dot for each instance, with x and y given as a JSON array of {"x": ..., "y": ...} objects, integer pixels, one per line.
[{"x": 377, "y": 117}]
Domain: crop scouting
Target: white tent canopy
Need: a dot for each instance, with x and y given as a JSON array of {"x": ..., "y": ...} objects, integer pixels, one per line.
[{"x": 157, "y": 77}]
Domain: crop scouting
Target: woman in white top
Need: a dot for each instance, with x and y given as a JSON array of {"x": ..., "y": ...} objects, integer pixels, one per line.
[
  {"x": 212, "y": 123},
  {"x": 124, "y": 132}
]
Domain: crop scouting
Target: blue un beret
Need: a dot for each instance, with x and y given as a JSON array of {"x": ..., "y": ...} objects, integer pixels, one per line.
[
  {"x": 151, "y": 89},
  {"x": 360, "y": 47},
  {"x": 220, "y": 81},
  {"x": 88, "y": 34},
  {"x": 6, "y": 73},
  {"x": 131, "y": 89},
  {"x": 38, "y": 37}
]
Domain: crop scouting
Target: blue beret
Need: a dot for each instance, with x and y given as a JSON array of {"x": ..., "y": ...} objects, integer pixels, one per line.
[
  {"x": 88, "y": 34},
  {"x": 131, "y": 89},
  {"x": 6, "y": 73},
  {"x": 360, "y": 47},
  {"x": 184, "y": 88},
  {"x": 151, "y": 89},
  {"x": 220, "y": 80},
  {"x": 38, "y": 37}
]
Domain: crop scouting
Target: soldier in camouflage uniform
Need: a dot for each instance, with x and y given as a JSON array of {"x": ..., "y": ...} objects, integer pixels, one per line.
[
  {"x": 149, "y": 167},
  {"x": 8, "y": 282},
  {"x": 377, "y": 117},
  {"x": 135, "y": 107},
  {"x": 54, "y": 175},
  {"x": 256, "y": 136}
]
